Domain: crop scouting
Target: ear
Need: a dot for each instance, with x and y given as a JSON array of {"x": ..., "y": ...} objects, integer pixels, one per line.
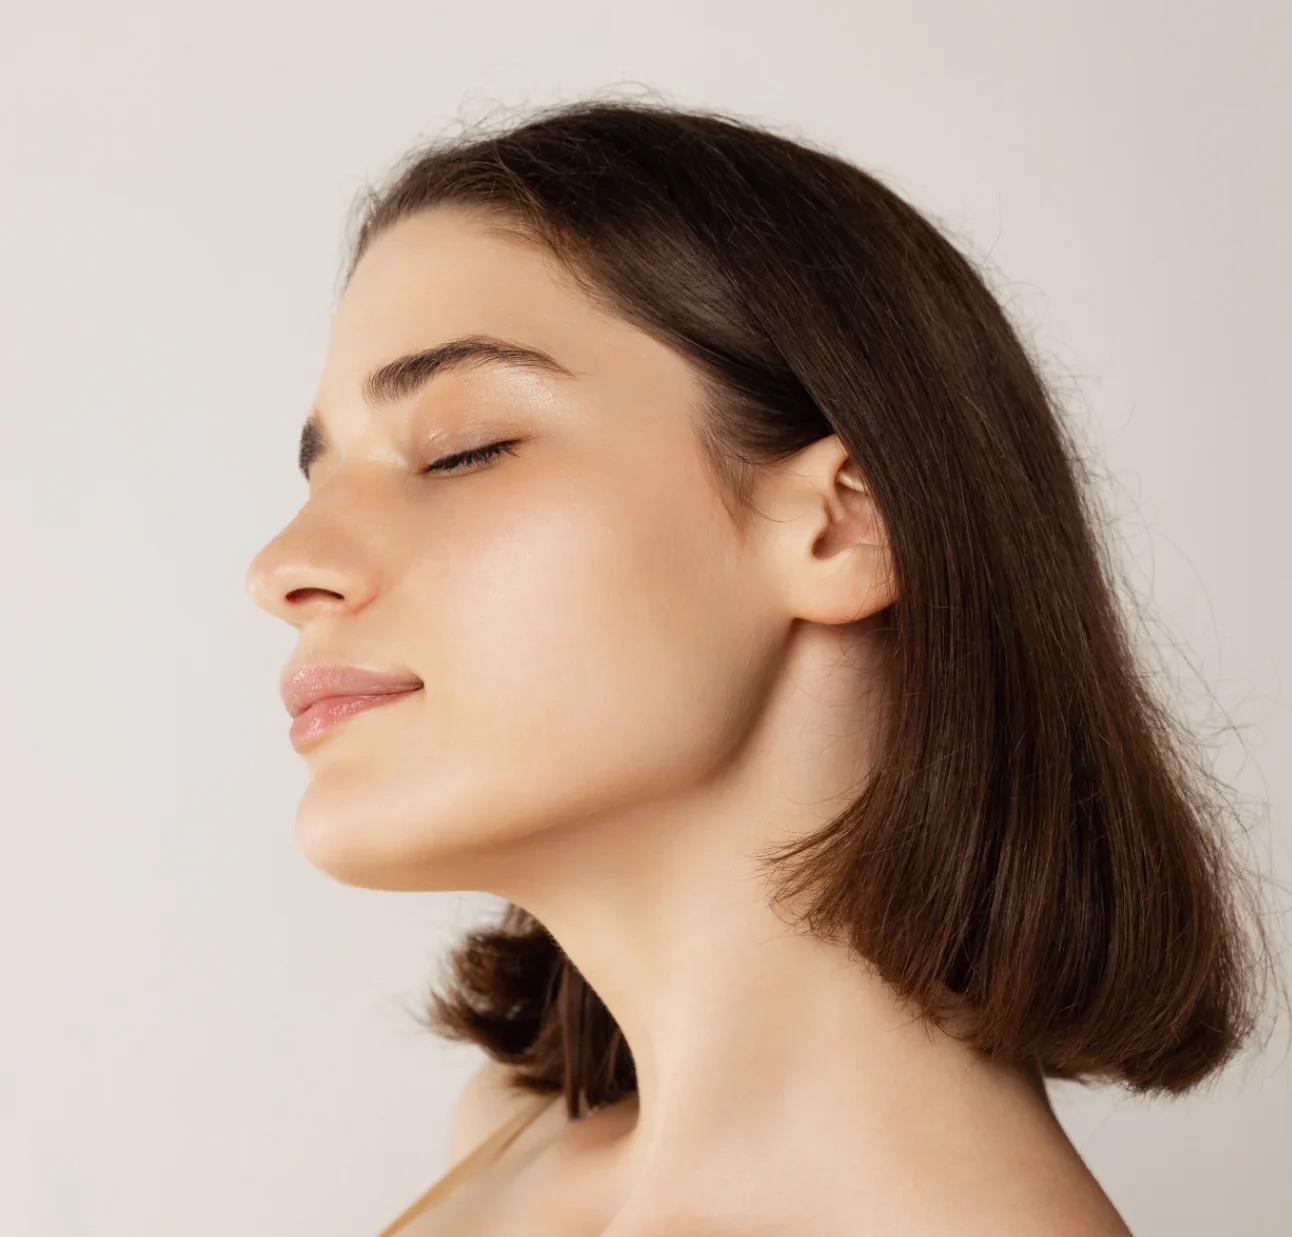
[{"x": 823, "y": 537}]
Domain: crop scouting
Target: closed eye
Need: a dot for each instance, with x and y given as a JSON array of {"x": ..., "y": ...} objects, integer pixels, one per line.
[{"x": 477, "y": 455}]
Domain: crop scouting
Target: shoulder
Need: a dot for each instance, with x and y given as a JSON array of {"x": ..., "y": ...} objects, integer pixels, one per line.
[{"x": 489, "y": 1098}]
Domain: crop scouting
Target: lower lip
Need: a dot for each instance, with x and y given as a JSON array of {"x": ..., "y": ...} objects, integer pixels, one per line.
[{"x": 309, "y": 726}]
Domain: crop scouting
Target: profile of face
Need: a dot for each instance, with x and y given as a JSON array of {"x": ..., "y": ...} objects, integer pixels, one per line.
[{"x": 590, "y": 629}]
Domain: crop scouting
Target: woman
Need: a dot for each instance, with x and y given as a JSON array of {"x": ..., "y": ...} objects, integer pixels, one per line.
[{"x": 717, "y": 586}]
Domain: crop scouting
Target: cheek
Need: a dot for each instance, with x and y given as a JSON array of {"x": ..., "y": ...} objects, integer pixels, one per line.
[{"x": 590, "y": 649}]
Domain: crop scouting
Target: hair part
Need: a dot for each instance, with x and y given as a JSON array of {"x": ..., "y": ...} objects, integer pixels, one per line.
[{"x": 1040, "y": 840}]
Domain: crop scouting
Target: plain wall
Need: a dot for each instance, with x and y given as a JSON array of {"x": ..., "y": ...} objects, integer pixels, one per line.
[{"x": 200, "y": 1032}]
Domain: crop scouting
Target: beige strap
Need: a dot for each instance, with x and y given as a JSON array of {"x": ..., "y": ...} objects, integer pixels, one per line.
[{"x": 473, "y": 1162}]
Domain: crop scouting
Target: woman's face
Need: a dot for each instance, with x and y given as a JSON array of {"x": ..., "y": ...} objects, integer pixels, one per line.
[{"x": 588, "y": 627}]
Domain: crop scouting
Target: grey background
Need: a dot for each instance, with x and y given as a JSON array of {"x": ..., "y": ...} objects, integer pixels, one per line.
[{"x": 203, "y": 1034}]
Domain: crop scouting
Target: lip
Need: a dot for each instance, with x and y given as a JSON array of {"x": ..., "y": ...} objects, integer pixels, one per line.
[
  {"x": 311, "y": 724},
  {"x": 302, "y": 686},
  {"x": 319, "y": 695}
]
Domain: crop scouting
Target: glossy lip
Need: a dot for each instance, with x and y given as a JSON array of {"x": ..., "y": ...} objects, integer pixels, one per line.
[
  {"x": 313, "y": 723},
  {"x": 303, "y": 686},
  {"x": 319, "y": 695}
]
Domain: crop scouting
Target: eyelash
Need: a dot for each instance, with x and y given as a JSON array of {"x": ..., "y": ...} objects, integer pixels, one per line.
[{"x": 450, "y": 463}]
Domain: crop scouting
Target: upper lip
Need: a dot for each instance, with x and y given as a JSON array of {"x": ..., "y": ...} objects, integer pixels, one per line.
[{"x": 300, "y": 687}]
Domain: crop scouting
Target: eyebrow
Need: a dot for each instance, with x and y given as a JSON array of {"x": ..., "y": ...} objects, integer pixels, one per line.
[{"x": 397, "y": 380}]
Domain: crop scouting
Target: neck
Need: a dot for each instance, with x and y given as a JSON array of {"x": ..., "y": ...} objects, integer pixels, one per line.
[{"x": 750, "y": 1038}]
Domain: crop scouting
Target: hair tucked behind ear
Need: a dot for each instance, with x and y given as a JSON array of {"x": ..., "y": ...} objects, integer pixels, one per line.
[{"x": 1040, "y": 838}]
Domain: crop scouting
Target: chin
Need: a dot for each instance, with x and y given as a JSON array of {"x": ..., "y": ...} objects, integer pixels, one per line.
[
  {"x": 357, "y": 840},
  {"x": 368, "y": 853}
]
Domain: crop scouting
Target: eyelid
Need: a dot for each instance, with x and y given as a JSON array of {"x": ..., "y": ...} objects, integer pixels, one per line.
[{"x": 488, "y": 450}]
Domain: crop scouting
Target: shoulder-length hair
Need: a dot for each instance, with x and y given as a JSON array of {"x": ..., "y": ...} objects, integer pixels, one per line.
[{"x": 1039, "y": 836}]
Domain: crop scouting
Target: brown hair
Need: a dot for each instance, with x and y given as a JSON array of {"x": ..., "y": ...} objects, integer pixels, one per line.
[{"x": 1039, "y": 836}]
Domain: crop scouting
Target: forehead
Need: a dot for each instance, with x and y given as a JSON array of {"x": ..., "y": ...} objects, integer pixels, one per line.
[{"x": 445, "y": 273}]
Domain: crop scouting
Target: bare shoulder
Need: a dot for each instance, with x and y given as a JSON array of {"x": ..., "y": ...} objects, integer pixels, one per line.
[{"x": 489, "y": 1098}]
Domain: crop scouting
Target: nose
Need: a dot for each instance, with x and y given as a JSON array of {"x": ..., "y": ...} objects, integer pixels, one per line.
[{"x": 304, "y": 570}]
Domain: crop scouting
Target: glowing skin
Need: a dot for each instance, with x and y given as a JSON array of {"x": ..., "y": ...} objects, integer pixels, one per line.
[{"x": 624, "y": 699}]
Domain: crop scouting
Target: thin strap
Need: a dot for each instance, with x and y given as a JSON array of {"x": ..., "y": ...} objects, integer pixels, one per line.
[{"x": 476, "y": 1160}]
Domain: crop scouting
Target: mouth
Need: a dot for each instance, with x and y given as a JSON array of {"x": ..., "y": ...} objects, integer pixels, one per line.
[{"x": 311, "y": 725}]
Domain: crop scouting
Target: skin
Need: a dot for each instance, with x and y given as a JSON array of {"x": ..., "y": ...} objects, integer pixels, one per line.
[{"x": 625, "y": 698}]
